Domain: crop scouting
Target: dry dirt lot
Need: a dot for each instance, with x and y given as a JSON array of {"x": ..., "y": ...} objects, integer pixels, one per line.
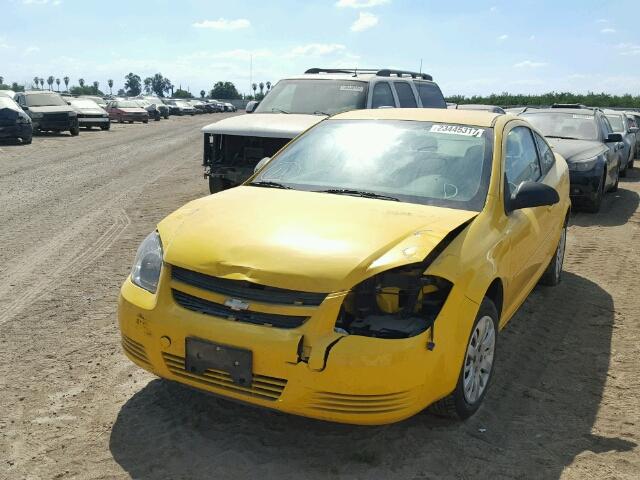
[{"x": 565, "y": 402}]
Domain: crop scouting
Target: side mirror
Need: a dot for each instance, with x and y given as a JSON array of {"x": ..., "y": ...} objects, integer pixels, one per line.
[
  {"x": 613, "y": 137},
  {"x": 251, "y": 106},
  {"x": 533, "y": 194},
  {"x": 261, "y": 163},
  {"x": 633, "y": 129}
]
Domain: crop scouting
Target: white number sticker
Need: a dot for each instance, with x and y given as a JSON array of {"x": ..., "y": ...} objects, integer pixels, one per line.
[
  {"x": 351, "y": 88},
  {"x": 457, "y": 130}
]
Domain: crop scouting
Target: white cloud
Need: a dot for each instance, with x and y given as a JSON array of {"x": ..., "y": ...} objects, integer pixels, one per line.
[
  {"x": 55, "y": 3},
  {"x": 628, "y": 49},
  {"x": 503, "y": 37},
  {"x": 224, "y": 24},
  {"x": 530, "y": 64},
  {"x": 365, "y": 21},
  {"x": 316, "y": 49},
  {"x": 608, "y": 30},
  {"x": 360, "y": 3},
  {"x": 493, "y": 9},
  {"x": 237, "y": 54},
  {"x": 532, "y": 37},
  {"x": 602, "y": 20},
  {"x": 31, "y": 49}
]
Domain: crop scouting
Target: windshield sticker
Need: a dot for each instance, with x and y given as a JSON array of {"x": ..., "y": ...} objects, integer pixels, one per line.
[
  {"x": 457, "y": 130},
  {"x": 351, "y": 88},
  {"x": 584, "y": 117}
]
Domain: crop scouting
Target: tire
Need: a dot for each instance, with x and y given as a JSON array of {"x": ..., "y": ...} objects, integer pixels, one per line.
[
  {"x": 552, "y": 276},
  {"x": 623, "y": 172},
  {"x": 614, "y": 188},
  {"x": 88, "y": 128},
  {"x": 74, "y": 131},
  {"x": 105, "y": 127},
  {"x": 593, "y": 206},
  {"x": 27, "y": 140},
  {"x": 217, "y": 184},
  {"x": 465, "y": 400},
  {"x": 166, "y": 117},
  {"x": 145, "y": 121}
]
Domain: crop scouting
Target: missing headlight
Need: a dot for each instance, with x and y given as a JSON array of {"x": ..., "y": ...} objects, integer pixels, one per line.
[{"x": 400, "y": 303}]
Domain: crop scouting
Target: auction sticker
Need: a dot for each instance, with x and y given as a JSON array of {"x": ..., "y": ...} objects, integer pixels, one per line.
[
  {"x": 457, "y": 130},
  {"x": 584, "y": 117},
  {"x": 351, "y": 88}
]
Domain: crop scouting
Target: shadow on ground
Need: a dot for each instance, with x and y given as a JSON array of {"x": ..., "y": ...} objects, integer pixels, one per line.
[
  {"x": 539, "y": 414},
  {"x": 616, "y": 209}
]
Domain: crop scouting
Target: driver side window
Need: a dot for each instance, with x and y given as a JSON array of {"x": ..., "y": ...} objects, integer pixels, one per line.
[{"x": 521, "y": 159}]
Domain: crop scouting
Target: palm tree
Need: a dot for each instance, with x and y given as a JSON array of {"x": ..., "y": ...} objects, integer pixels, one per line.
[
  {"x": 41, "y": 82},
  {"x": 1, "y": 80},
  {"x": 202, "y": 92},
  {"x": 254, "y": 87},
  {"x": 36, "y": 81},
  {"x": 66, "y": 83},
  {"x": 96, "y": 84},
  {"x": 58, "y": 83},
  {"x": 81, "y": 82},
  {"x": 110, "y": 83},
  {"x": 268, "y": 84},
  {"x": 261, "y": 89},
  {"x": 50, "y": 81}
]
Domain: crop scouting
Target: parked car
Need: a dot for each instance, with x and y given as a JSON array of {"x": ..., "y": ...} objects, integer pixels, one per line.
[
  {"x": 620, "y": 124},
  {"x": 127, "y": 111},
  {"x": 584, "y": 137},
  {"x": 14, "y": 122},
  {"x": 48, "y": 111},
  {"x": 198, "y": 105},
  {"x": 484, "y": 108},
  {"x": 234, "y": 146},
  {"x": 218, "y": 106},
  {"x": 367, "y": 273},
  {"x": 159, "y": 104},
  {"x": 90, "y": 114},
  {"x": 634, "y": 117},
  {"x": 150, "y": 107},
  {"x": 180, "y": 107},
  {"x": 99, "y": 100},
  {"x": 229, "y": 107}
]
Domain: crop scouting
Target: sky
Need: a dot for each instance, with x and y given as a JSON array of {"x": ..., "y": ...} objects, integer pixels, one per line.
[{"x": 470, "y": 47}]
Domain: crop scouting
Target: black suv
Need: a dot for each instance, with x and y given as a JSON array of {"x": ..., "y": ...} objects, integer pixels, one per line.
[
  {"x": 584, "y": 137},
  {"x": 48, "y": 111}
]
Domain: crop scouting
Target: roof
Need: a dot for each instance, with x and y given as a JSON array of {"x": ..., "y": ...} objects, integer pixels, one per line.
[
  {"x": 466, "y": 117},
  {"x": 571, "y": 111}
]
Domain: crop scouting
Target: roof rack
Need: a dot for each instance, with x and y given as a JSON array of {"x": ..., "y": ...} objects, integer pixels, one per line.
[
  {"x": 570, "y": 105},
  {"x": 385, "y": 72}
]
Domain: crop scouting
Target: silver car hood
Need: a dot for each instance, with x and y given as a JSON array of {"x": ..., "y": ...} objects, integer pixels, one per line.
[
  {"x": 52, "y": 109},
  {"x": 272, "y": 125}
]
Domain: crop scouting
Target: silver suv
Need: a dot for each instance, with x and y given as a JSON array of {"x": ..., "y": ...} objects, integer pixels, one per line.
[{"x": 234, "y": 146}]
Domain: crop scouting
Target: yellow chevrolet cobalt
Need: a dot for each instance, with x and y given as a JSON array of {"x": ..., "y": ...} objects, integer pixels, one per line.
[{"x": 362, "y": 274}]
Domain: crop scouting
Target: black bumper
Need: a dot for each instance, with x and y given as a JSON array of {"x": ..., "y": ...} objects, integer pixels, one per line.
[
  {"x": 21, "y": 130},
  {"x": 56, "y": 125},
  {"x": 585, "y": 185}
]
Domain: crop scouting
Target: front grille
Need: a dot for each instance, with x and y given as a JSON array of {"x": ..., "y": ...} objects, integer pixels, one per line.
[
  {"x": 89, "y": 115},
  {"x": 360, "y": 404},
  {"x": 207, "y": 307},
  {"x": 246, "y": 290},
  {"x": 263, "y": 387},
  {"x": 56, "y": 117},
  {"x": 135, "y": 349}
]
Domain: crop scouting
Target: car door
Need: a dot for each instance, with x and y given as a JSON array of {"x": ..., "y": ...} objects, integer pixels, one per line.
[
  {"x": 613, "y": 154},
  {"x": 525, "y": 228}
]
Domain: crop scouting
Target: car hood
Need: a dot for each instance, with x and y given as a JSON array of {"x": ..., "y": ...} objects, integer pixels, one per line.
[
  {"x": 577, "y": 150},
  {"x": 273, "y": 125},
  {"x": 91, "y": 111},
  {"x": 133, "y": 110},
  {"x": 52, "y": 109},
  {"x": 301, "y": 240}
]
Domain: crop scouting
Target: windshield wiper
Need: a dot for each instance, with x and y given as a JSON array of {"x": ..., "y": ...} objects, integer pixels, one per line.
[
  {"x": 270, "y": 185},
  {"x": 279, "y": 110},
  {"x": 563, "y": 138},
  {"x": 318, "y": 112},
  {"x": 358, "y": 193}
]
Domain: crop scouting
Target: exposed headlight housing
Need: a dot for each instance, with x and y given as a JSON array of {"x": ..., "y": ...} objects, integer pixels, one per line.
[
  {"x": 583, "y": 165},
  {"x": 147, "y": 266},
  {"x": 400, "y": 303}
]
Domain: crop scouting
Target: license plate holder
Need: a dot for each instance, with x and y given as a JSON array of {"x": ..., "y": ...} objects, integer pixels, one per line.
[{"x": 201, "y": 355}]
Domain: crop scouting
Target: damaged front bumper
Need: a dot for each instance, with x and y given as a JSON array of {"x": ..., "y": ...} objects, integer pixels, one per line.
[{"x": 311, "y": 369}]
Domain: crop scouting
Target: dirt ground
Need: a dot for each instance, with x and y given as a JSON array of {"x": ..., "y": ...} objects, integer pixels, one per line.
[{"x": 565, "y": 402}]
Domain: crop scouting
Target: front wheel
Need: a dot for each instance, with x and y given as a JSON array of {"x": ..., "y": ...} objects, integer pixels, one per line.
[
  {"x": 477, "y": 367},
  {"x": 619, "y": 174},
  {"x": 553, "y": 274},
  {"x": 74, "y": 131},
  {"x": 593, "y": 205},
  {"x": 105, "y": 127}
]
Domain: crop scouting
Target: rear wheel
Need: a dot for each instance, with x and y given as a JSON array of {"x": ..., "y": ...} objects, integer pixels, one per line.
[
  {"x": 477, "y": 367},
  {"x": 553, "y": 274}
]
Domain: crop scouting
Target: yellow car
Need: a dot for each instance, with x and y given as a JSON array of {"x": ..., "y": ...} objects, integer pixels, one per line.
[{"x": 362, "y": 274}]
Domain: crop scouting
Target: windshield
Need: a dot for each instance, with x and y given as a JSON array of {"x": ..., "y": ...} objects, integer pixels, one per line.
[
  {"x": 44, "y": 100},
  {"x": 417, "y": 162},
  {"x": 127, "y": 104},
  {"x": 83, "y": 103},
  {"x": 314, "y": 96},
  {"x": 580, "y": 126},
  {"x": 616, "y": 122}
]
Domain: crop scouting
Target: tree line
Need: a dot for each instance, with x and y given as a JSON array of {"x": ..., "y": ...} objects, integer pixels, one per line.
[{"x": 591, "y": 99}]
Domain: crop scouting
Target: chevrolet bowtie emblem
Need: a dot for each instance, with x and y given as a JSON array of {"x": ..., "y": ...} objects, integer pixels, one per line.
[{"x": 236, "y": 304}]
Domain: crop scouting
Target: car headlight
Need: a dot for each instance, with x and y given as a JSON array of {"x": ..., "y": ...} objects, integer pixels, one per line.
[
  {"x": 23, "y": 119},
  {"x": 145, "y": 272},
  {"x": 583, "y": 165},
  {"x": 36, "y": 115}
]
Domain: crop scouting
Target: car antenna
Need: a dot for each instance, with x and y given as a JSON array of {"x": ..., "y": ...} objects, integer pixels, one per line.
[{"x": 355, "y": 72}]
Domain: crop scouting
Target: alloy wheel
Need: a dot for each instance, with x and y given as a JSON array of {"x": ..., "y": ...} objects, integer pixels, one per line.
[{"x": 479, "y": 359}]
